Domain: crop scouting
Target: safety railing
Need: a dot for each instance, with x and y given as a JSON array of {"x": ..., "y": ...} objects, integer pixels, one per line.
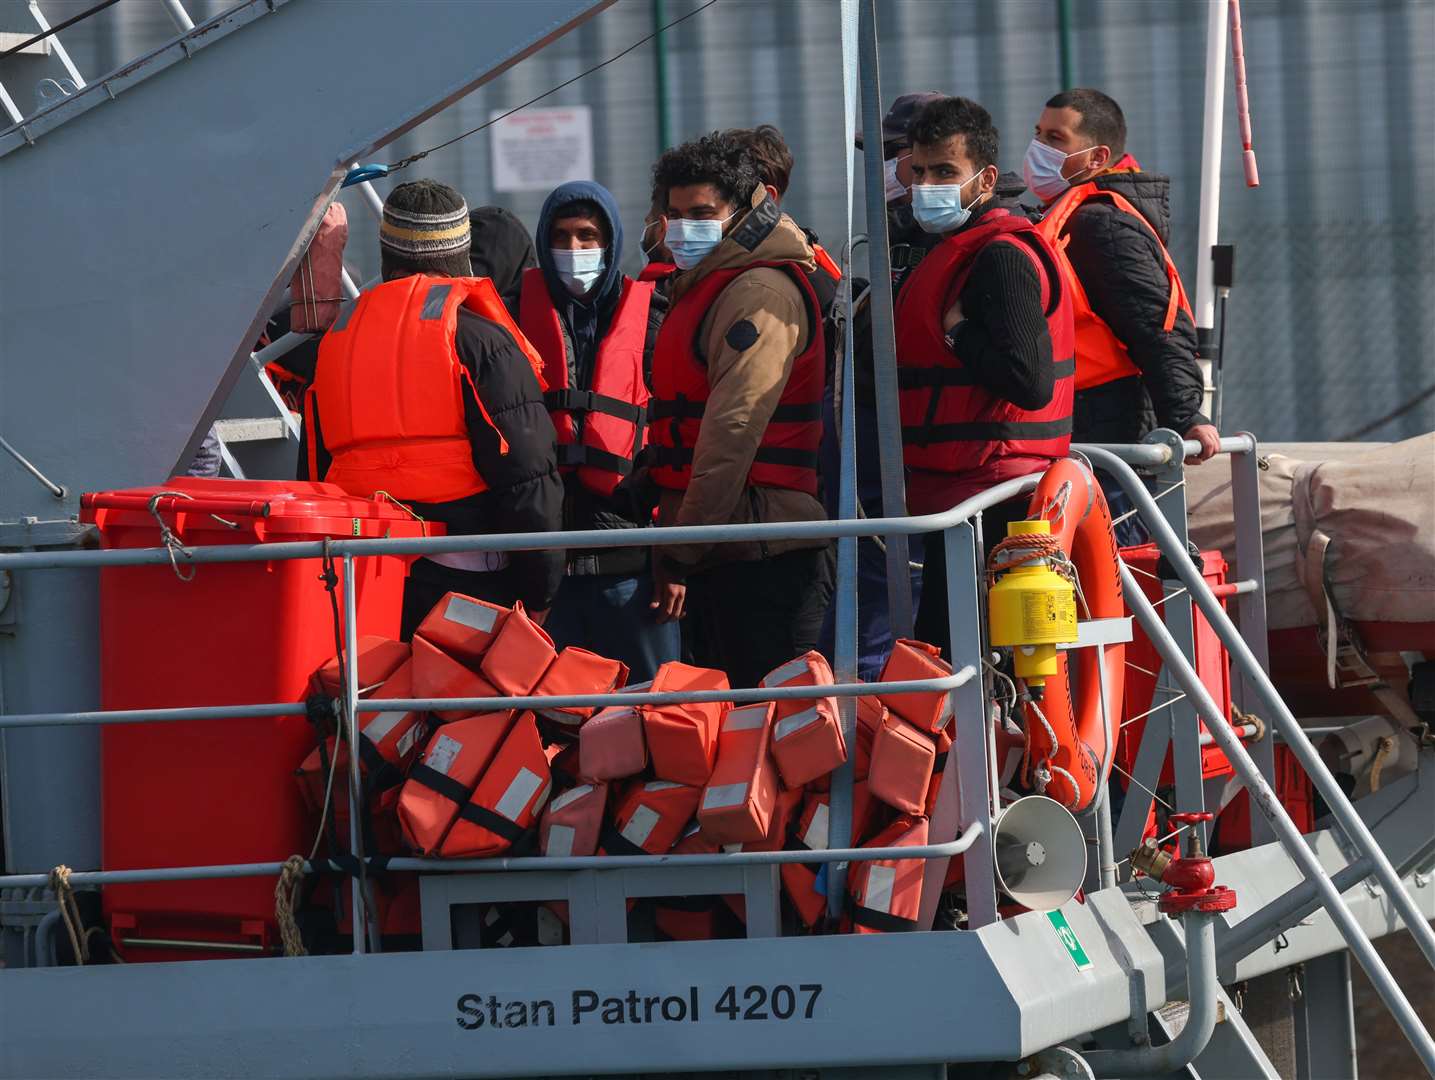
[
  {"x": 968, "y": 836},
  {"x": 970, "y": 773}
]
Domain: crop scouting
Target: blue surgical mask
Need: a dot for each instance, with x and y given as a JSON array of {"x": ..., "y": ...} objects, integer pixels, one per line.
[
  {"x": 1041, "y": 168},
  {"x": 691, "y": 241},
  {"x": 938, "y": 207},
  {"x": 578, "y": 268}
]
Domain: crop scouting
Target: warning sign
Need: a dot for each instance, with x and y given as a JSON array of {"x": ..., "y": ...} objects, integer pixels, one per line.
[{"x": 538, "y": 149}]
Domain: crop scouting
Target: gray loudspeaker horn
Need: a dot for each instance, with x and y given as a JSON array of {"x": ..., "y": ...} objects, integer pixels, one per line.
[{"x": 1040, "y": 853}]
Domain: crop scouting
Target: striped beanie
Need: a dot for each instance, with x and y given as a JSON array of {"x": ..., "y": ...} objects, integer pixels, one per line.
[{"x": 425, "y": 228}]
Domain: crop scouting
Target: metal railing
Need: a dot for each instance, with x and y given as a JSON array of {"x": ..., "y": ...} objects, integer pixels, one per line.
[{"x": 971, "y": 839}]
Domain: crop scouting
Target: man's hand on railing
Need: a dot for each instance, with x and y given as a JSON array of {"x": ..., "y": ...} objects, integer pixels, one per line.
[{"x": 1210, "y": 440}]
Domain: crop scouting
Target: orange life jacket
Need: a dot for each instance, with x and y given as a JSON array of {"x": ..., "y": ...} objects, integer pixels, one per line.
[
  {"x": 909, "y": 661},
  {"x": 1101, "y": 356},
  {"x": 738, "y": 801},
  {"x": 578, "y": 671},
  {"x": 440, "y": 784},
  {"x": 519, "y": 654},
  {"x": 903, "y": 759},
  {"x": 787, "y": 455},
  {"x": 507, "y": 799},
  {"x": 807, "y": 737},
  {"x": 390, "y": 389},
  {"x": 950, "y": 424},
  {"x": 378, "y": 658},
  {"x": 611, "y": 744},
  {"x": 462, "y": 626},
  {"x": 657, "y": 271},
  {"x": 825, "y": 262},
  {"x": 438, "y": 675},
  {"x": 799, "y": 880},
  {"x": 886, "y": 894},
  {"x": 572, "y": 821},
  {"x": 601, "y": 426},
  {"x": 682, "y": 739},
  {"x": 650, "y": 817}
]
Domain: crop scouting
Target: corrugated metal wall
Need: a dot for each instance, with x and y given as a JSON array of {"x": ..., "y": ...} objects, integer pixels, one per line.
[{"x": 1331, "y": 322}]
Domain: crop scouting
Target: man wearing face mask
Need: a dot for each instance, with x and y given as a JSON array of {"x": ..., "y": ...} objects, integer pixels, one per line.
[
  {"x": 736, "y": 412},
  {"x": 984, "y": 339},
  {"x": 1136, "y": 340},
  {"x": 595, "y": 330}
]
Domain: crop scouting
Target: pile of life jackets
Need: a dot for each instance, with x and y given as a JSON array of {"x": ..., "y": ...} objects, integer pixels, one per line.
[{"x": 634, "y": 780}]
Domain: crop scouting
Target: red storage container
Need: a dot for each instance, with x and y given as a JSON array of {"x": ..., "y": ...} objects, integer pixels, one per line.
[
  {"x": 1212, "y": 665},
  {"x": 218, "y": 791}
]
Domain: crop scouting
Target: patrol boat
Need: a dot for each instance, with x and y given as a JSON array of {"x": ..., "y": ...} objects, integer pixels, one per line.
[{"x": 1114, "y": 943}]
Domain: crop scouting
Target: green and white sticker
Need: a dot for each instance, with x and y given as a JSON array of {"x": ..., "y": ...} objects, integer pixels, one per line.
[{"x": 1069, "y": 939}]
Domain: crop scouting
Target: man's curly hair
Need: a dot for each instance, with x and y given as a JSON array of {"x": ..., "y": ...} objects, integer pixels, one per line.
[{"x": 719, "y": 159}]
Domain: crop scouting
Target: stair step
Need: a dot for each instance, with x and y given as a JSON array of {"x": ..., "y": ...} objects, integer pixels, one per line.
[{"x": 255, "y": 429}]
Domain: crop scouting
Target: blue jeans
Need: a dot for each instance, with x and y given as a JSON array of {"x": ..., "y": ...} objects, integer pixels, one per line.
[{"x": 609, "y": 615}]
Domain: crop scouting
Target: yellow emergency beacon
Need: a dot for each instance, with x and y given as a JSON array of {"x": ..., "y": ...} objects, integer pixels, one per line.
[{"x": 1032, "y": 609}]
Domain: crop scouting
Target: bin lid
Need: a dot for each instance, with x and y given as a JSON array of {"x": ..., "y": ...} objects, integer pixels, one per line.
[{"x": 252, "y": 510}]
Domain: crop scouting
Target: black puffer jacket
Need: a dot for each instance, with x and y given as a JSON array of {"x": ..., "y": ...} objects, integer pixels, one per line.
[{"x": 1120, "y": 265}]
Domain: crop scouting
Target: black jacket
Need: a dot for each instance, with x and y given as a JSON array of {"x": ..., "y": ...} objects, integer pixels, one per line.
[
  {"x": 525, "y": 492},
  {"x": 1120, "y": 265}
]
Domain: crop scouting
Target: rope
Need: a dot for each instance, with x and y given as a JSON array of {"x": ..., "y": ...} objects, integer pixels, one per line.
[
  {"x": 404, "y": 163},
  {"x": 1386, "y": 744},
  {"x": 70, "y": 912},
  {"x": 171, "y": 542},
  {"x": 286, "y": 898}
]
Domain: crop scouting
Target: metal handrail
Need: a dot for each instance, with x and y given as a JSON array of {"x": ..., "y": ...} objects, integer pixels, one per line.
[
  {"x": 1152, "y": 455},
  {"x": 491, "y": 704},
  {"x": 524, "y": 863},
  {"x": 589, "y": 538},
  {"x": 1263, "y": 798}
]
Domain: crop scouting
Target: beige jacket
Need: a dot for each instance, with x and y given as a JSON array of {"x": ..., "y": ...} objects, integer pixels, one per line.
[{"x": 746, "y": 384}]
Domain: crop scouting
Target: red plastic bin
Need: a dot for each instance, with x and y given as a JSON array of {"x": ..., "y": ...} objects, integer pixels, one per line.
[
  {"x": 1212, "y": 665},
  {"x": 218, "y": 791}
]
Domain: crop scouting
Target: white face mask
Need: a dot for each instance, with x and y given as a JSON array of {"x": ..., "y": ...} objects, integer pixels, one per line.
[
  {"x": 893, "y": 188},
  {"x": 1041, "y": 168},
  {"x": 578, "y": 268},
  {"x": 691, "y": 241},
  {"x": 938, "y": 207}
]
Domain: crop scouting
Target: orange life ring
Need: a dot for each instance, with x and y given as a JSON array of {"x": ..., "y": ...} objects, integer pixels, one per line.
[{"x": 1079, "y": 760}]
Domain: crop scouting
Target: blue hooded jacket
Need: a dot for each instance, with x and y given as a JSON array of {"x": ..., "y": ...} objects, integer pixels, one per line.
[{"x": 585, "y": 320}]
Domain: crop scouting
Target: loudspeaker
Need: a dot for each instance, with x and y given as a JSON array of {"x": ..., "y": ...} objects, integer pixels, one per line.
[{"x": 1040, "y": 853}]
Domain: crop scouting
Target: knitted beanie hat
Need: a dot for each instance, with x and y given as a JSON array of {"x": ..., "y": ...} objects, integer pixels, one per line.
[{"x": 425, "y": 229}]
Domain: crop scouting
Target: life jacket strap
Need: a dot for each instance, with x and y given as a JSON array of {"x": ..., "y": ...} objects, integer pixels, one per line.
[
  {"x": 493, "y": 821},
  {"x": 573, "y": 455},
  {"x": 881, "y": 920},
  {"x": 446, "y": 786},
  {"x": 615, "y": 843},
  {"x": 586, "y": 401}
]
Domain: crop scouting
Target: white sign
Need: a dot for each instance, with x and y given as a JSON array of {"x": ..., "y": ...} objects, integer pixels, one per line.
[{"x": 538, "y": 149}]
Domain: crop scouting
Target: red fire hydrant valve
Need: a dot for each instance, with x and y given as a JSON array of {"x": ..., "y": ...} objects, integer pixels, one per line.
[{"x": 1190, "y": 879}]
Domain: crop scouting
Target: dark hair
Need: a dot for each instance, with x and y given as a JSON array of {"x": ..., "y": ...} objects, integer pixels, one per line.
[
  {"x": 719, "y": 159},
  {"x": 948, "y": 116},
  {"x": 1101, "y": 118},
  {"x": 769, "y": 152},
  {"x": 585, "y": 208}
]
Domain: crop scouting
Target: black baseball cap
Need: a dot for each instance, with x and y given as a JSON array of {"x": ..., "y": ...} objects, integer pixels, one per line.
[{"x": 899, "y": 116}]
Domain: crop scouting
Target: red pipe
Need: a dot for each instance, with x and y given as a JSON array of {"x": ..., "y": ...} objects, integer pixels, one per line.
[
  {"x": 1243, "y": 104},
  {"x": 224, "y": 507}
]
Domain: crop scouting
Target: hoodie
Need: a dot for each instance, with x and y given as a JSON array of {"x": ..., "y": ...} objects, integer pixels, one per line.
[
  {"x": 585, "y": 321},
  {"x": 748, "y": 368},
  {"x": 1122, "y": 269},
  {"x": 500, "y": 251}
]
